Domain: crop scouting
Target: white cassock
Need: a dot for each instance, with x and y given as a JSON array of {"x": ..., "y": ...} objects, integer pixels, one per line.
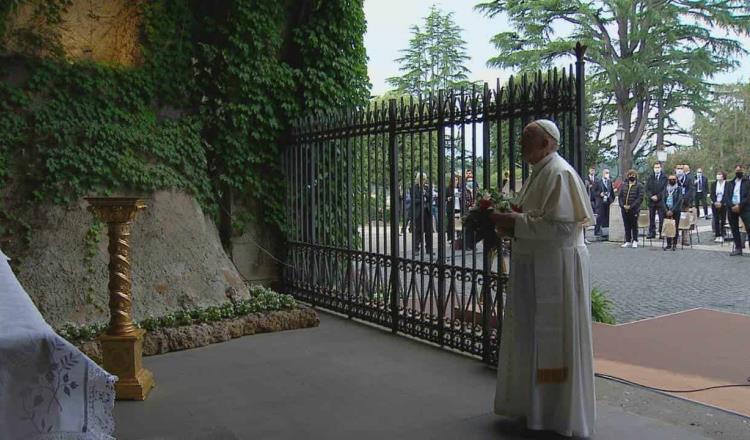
[{"x": 545, "y": 368}]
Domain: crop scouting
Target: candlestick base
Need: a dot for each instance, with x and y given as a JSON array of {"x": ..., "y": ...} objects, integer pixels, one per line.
[{"x": 123, "y": 356}]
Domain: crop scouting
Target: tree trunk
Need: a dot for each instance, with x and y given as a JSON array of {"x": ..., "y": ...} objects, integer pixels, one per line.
[
  {"x": 624, "y": 148},
  {"x": 660, "y": 117}
]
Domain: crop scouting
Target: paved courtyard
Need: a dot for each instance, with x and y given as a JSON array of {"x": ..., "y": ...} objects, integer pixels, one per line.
[
  {"x": 345, "y": 380},
  {"x": 647, "y": 281}
]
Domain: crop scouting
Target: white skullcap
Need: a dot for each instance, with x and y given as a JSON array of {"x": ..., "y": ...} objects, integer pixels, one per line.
[{"x": 550, "y": 128}]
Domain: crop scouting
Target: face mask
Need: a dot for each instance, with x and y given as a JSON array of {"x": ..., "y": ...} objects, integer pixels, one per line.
[
  {"x": 700, "y": 173},
  {"x": 672, "y": 182},
  {"x": 739, "y": 174},
  {"x": 679, "y": 173},
  {"x": 719, "y": 177},
  {"x": 631, "y": 178}
]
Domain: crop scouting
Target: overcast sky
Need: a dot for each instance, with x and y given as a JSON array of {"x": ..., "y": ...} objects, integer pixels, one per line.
[{"x": 388, "y": 23}]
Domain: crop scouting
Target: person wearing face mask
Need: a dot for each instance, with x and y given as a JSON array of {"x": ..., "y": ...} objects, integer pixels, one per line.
[
  {"x": 603, "y": 194},
  {"x": 654, "y": 190},
  {"x": 701, "y": 189},
  {"x": 672, "y": 197},
  {"x": 631, "y": 196},
  {"x": 737, "y": 201},
  {"x": 717, "y": 206}
]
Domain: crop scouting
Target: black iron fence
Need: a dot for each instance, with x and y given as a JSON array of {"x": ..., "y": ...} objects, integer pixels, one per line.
[{"x": 375, "y": 198}]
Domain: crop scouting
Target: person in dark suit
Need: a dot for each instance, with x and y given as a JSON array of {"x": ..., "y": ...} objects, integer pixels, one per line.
[
  {"x": 719, "y": 209},
  {"x": 589, "y": 181},
  {"x": 421, "y": 223},
  {"x": 654, "y": 190},
  {"x": 672, "y": 197},
  {"x": 686, "y": 182},
  {"x": 631, "y": 196},
  {"x": 701, "y": 190},
  {"x": 603, "y": 195},
  {"x": 737, "y": 201}
]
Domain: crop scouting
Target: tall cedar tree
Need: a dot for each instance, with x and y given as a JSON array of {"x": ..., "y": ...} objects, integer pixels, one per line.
[
  {"x": 647, "y": 58},
  {"x": 435, "y": 58}
]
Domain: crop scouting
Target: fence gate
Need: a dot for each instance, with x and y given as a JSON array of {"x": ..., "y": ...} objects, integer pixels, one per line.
[{"x": 375, "y": 196}]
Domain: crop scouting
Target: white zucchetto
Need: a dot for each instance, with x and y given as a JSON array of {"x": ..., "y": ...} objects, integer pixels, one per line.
[{"x": 550, "y": 128}]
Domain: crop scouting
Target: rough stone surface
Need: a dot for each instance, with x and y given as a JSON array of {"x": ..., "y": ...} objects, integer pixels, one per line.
[
  {"x": 186, "y": 337},
  {"x": 176, "y": 258}
]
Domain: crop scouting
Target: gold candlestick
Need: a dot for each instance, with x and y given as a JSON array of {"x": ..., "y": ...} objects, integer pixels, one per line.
[{"x": 122, "y": 345}]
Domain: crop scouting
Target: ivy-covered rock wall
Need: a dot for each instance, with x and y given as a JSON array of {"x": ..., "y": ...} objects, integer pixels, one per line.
[{"x": 200, "y": 108}]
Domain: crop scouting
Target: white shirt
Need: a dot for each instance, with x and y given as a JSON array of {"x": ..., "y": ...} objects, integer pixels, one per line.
[
  {"x": 736, "y": 193},
  {"x": 720, "y": 189}
]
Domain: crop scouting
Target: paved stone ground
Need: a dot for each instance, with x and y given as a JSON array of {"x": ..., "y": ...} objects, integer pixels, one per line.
[
  {"x": 647, "y": 281},
  {"x": 345, "y": 380}
]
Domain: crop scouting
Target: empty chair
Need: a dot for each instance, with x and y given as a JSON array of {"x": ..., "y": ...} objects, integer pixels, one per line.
[
  {"x": 687, "y": 221},
  {"x": 643, "y": 225}
]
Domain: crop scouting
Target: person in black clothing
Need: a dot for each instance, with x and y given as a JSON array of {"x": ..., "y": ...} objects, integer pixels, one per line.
[
  {"x": 589, "y": 181},
  {"x": 701, "y": 189},
  {"x": 718, "y": 188},
  {"x": 686, "y": 182},
  {"x": 603, "y": 195},
  {"x": 631, "y": 196},
  {"x": 737, "y": 200},
  {"x": 450, "y": 208},
  {"x": 421, "y": 223},
  {"x": 654, "y": 190},
  {"x": 672, "y": 197}
]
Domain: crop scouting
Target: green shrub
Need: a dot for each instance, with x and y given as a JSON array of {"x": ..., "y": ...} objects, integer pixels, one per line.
[{"x": 601, "y": 307}]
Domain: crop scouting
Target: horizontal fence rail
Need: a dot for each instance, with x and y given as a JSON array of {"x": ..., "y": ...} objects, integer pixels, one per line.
[{"x": 375, "y": 197}]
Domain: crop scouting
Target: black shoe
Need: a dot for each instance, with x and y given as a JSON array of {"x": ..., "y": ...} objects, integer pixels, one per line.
[
  {"x": 674, "y": 249},
  {"x": 736, "y": 252},
  {"x": 665, "y": 249},
  {"x": 650, "y": 236}
]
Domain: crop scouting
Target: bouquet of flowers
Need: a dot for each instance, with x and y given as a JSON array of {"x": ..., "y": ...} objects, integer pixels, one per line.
[{"x": 478, "y": 219}]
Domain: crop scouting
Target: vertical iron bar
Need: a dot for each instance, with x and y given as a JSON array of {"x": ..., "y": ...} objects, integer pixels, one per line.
[
  {"x": 394, "y": 213},
  {"x": 441, "y": 217},
  {"x": 580, "y": 137},
  {"x": 487, "y": 263},
  {"x": 313, "y": 225},
  {"x": 524, "y": 119},
  {"x": 511, "y": 133},
  {"x": 350, "y": 206},
  {"x": 376, "y": 171}
]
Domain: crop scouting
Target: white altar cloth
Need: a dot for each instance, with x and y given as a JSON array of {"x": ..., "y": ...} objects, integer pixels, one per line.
[{"x": 49, "y": 390}]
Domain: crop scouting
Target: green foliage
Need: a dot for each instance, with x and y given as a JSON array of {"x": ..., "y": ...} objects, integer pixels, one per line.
[
  {"x": 204, "y": 112},
  {"x": 601, "y": 307},
  {"x": 722, "y": 136},
  {"x": 263, "y": 300},
  {"x": 435, "y": 58},
  {"x": 645, "y": 58}
]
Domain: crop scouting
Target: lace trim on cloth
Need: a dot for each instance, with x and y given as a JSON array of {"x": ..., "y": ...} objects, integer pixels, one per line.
[
  {"x": 100, "y": 402},
  {"x": 74, "y": 436}
]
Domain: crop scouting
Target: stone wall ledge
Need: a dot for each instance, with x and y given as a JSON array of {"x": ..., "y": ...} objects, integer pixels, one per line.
[{"x": 165, "y": 340}]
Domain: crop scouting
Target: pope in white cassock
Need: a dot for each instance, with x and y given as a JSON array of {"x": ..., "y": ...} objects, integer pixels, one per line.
[{"x": 545, "y": 367}]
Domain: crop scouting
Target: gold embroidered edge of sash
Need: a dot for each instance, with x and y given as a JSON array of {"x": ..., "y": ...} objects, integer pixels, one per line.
[{"x": 552, "y": 375}]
